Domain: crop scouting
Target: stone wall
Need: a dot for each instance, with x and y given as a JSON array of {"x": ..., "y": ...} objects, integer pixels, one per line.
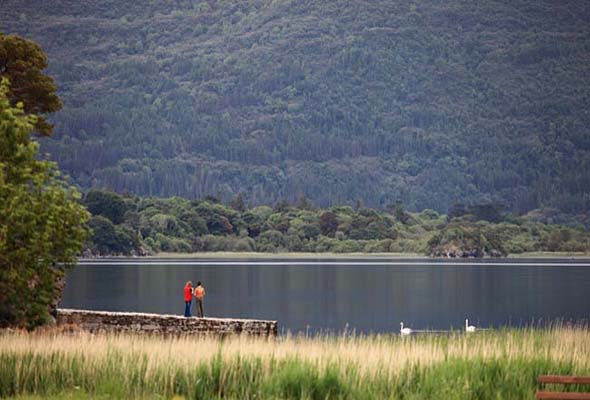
[{"x": 106, "y": 321}]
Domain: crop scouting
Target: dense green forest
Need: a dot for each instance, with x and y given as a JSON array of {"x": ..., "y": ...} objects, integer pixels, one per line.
[
  {"x": 424, "y": 102},
  {"x": 132, "y": 225}
]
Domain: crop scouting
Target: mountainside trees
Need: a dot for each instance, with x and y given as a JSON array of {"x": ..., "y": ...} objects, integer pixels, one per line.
[{"x": 427, "y": 102}]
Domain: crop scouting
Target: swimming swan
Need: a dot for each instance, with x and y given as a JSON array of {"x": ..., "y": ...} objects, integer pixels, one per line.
[
  {"x": 404, "y": 331},
  {"x": 469, "y": 328}
]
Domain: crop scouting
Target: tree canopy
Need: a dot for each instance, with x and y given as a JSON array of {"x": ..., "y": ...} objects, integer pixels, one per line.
[
  {"x": 152, "y": 225},
  {"x": 22, "y": 62},
  {"x": 42, "y": 223},
  {"x": 429, "y": 102}
]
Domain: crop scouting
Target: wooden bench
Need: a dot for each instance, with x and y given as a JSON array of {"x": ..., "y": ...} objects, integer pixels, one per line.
[{"x": 562, "y": 380}]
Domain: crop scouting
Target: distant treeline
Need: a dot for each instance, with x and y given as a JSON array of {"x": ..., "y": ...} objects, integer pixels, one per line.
[
  {"x": 423, "y": 101},
  {"x": 128, "y": 225}
]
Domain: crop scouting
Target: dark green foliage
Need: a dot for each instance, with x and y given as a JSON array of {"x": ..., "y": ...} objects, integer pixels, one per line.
[
  {"x": 196, "y": 223},
  {"x": 22, "y": 62},
  {"x": 238, "y": 203},
  {"x": 328, "y": 223},
  {"x": 110, "y": 239},
  {"x": 466, "y": 240},
  {"x": 179, "y": 225},
  {"x": 270, "y": 241},
  {"x": 491, "y": 212},
  {"x": 457, "y": 210},
  {"x": 563, "y": 239},
  {"x": 427, "y": 102},
  {"x": 128, "y": 240},
  {"x": 107, "y": 204},
  {"x": 217, "y": 217},
  {"x": 104, "y": 239},
  {"x": 400, "y": 213},
  {"x": 42, "y": 224}
]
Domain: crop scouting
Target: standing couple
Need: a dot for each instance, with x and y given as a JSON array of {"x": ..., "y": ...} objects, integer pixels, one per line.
[{"x": 189, "y": 292}]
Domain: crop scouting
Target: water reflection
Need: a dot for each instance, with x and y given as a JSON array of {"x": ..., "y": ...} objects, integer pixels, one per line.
[{"x": 369, "y": 298}]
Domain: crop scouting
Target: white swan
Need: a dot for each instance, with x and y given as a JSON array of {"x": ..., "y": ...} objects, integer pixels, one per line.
[
  {"x": 404, "y": 331},
  {"x": 469, "y": 328}
]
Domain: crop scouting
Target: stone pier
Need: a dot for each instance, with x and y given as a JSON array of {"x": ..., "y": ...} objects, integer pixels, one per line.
[{"x": 142, "y": 323}]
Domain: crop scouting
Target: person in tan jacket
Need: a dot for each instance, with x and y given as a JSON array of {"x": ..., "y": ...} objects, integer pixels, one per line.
[{"x": 199, "y": 294}]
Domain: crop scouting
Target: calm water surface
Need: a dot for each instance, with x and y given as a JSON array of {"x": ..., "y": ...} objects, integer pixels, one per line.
[{"x": 367, "y": 295}]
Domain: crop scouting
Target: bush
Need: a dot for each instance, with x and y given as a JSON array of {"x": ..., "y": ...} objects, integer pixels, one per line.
[
  {"x": 270, "y": 241},
  {"x": 378, "y": 246},
  {"x": 466, "y": 240},
  {"x": 110, "y": 239},
  {"x": 108, "y": 204},
  {"x": 211, "y": 243},
  {"x": 347, "y": 246},
  {"x": 243, "y": 244},
  {"x": 164, "y": 223},
  {"x": 294, "y": 243}
]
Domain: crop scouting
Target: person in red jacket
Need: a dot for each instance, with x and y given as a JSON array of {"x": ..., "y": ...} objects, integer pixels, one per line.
[{"x": 188, "y": 297}]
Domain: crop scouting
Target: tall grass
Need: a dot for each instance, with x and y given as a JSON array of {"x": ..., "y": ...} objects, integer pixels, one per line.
[{"x": 486, "y": 365}]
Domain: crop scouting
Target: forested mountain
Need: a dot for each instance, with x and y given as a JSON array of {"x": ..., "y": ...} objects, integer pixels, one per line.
[{"x": 426, "y": 102}]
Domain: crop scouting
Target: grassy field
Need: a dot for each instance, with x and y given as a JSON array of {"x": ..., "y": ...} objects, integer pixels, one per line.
[
  {"x": 485, "y": 365},
  {"x": 551, "y": 254}
]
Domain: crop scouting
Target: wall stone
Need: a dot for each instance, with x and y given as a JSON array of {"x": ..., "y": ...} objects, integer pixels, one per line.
[{"x": 142, "y": 323}]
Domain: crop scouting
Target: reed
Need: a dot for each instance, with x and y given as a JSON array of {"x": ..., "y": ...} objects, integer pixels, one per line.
[{"x": 484, "y": 365}]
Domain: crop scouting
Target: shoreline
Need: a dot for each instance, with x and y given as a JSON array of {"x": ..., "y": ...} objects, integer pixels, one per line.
[{"x": 304, "y": 255}]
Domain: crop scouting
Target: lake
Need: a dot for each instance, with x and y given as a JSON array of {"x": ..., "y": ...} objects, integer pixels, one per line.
[{"x": 330, "y": 295}]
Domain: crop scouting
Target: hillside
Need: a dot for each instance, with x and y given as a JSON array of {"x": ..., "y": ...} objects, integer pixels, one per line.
[{"x": 426, "y": 102}]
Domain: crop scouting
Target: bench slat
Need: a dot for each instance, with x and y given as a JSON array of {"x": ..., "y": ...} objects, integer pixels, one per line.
[
  {"x": 564, "y": 379},
  {"x": 562, "y": 396}
]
